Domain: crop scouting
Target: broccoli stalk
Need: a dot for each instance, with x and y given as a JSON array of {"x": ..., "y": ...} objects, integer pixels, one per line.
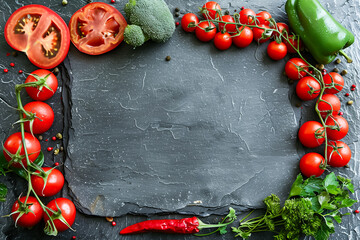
[{"x": 149, "y": 19}]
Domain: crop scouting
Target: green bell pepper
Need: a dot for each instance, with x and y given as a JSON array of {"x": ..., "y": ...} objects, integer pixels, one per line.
[{"x": 323, "y": 36}]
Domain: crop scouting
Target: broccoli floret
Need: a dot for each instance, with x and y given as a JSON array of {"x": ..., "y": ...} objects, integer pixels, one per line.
[
  {"x": 153, "y": 17},
  {"x": 134, "y": 36}
]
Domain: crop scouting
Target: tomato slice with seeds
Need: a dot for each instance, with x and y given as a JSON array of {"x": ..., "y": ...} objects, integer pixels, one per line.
[
  {"x": 40, "y": 33},
  {"x": 97, "y": 28}
]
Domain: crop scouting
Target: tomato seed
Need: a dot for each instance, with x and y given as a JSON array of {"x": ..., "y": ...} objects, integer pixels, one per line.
[
  {"x": 357, "y": 211},
  {"x": 113, "y": 223},
  {"x": 56, "y": 152},
  {"x": 177, "y": 14},
  {"x": 12, "y": 64},
  {"x": 177, "y": 9},
  {"x": 168, "y": 58},
  {"x": 20, "y": 71},
  {"x": 56, "y": 164},
  {"x": 6, "y": 70},
  {"x": 49, "y": 149},
  {"x": 343, "y": 72},
  {"x": 335, "y": 70},
  {"x": 351, "y": 102},
  {"x": 338, "y": 61},
  {"x": 353, "y": 86},
  {"x": 53, "y": 138}
]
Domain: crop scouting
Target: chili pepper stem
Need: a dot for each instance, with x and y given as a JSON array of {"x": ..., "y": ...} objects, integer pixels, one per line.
[
  {"x": 203, "y": 225},
  {"x": 348, "y": 59}
]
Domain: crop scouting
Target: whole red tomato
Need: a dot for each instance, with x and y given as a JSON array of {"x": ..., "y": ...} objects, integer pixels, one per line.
[
  {"x": 292, "y": 71},
  {"x": 340, "y": 125},
  {"x": 54, "y": 182},
  {"x": 338, "y": 153},
  {"x": 44, "y": 117},
  {"x": 332, "y": 103},
  {"x": 14, "y": 142},
  {"x": 308, "y": 88},
  {"x": 222, "y": 41},
  {"x": 295, "y": 44},
  {"x": 32, "y": 213},
  {"x": 67, "y": 211},
  {"x": 259, "y": 36},
  {"x": 245, "y": 38},
  {"x": 45, "y": 90},
  {"x": 334, "y": 82},
  {"x": 205, "y": 32},
  {"x": 246, "y": 16},
  {"x": 262, "y": 18},
  {"x": 187, "y": 19},
  {"x": 276, "y": 51},
  {"x": 210, "y": 10},
  {"x": 230, "y": 26},
  {"x": 311, "y": 134},
  {"x": 310, "y": 164},
  {"x": 281, "y": 27}
]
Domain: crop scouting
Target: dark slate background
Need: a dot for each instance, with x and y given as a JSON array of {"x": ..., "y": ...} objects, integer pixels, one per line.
[{"x": 145, "y": 138}]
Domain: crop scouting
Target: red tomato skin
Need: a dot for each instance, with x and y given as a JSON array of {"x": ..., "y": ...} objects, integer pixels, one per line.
[
  {"x": 307, "y": 134},
  {"x": 212, "y": 8},
  {"x": 293, "y": 42},
  {"x": 68, "y": 211},
  {"x": 45, "y": 114},
  {"x": 222, "y": 41},
  {"x": 230, "y": 28},
  {"x": 281, "y": 27},
  {"x": 54, "y": 183},
  {"x": 258, "y": 33},
  {"x": 13, "y": 142},
  {"x": 338, "y": 159},
  {"x": 245, "y": 16},
  {"x": 187, "y": 19},
  {"x": 45, "y": 93},
  {"x": 310, "y": 164},
  {"x": 245, "y": 38},
  {"x": 205, "y": 36},
  {"x": 291, "y": 70},
  {"x": 32, "y": 49},
  {"x": 333, "y": 78},
  {"x": 334, "y": 134},
  {"x": 302, "y": 88},
  {"x": 276, "y": 51},
  {"x": 262, "y": 17},
  {"x": 30, "y": 219},
  {"x": 324, "y": 107}
]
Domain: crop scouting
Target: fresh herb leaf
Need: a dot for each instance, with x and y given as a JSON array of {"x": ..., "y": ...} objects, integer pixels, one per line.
[
  {"x": 3, "y": 192},
  {"x": 312, "y": 186},
  {"x": 346, "y": 183},
  {"x": 272, "y": 203},
  {"x": 3, "y": 163},
  {"x": 297, "y": 186}
]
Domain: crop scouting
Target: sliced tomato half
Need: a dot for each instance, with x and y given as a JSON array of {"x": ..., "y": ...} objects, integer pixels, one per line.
[
  {"x": 97, "y": 28},
  {"x": 40, "y": 33}
]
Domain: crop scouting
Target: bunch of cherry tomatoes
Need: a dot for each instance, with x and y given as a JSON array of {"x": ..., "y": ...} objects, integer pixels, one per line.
[
  {"x": 36, "y": 118},
  {"x": 240, "y": 30}
]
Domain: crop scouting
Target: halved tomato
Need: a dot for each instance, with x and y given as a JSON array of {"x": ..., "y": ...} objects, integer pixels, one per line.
[
  {"x": 97, "y": 28},
  {"x": 40, "y": 33}
]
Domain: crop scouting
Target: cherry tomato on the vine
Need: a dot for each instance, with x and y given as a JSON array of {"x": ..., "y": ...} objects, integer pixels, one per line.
[
  {"x": 262, "y": 18},
  {"x": 281, "y": 27},
  {"x": 32, "y": 214},
  {"x": 338, "y": 153},
  {"x": 308, "y": 88},
  {"x": 44, "y": 117},
  {"x": 222, "y": 41},
  {"x": 310, "y": 164},
  {"x": 205, "y": 32},
  {"x": 210, "y": 10},
  {"x": 295, "y": 43},
  {"x": 68, "y": 212},
  {"x": 14, "y": 142},
  {"x": 246, "y": 16},
  {"x": 292, "y": 71},
  {"x": 54, "y": 182},
  {"x": 276, "y": 51},
  {"x": 332, "y": 103},
  {"x": 311, "y": 134},
  {"x": 259, "y": 34},
  {"x": 245, "y": 38},
  {"x": 229, "y": 27},
  {"x": 340, "y": 125},
  {"x": 334, "y": 82},
  {"x": 187, "y": 19},
  {"x": 42, "y": 93}
]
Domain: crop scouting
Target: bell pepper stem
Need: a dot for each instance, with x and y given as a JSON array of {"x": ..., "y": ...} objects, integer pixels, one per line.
[{"x": 348, "y": 59}]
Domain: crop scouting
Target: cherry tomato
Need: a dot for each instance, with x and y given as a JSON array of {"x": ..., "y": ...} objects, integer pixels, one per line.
[
  {"x": 97, "y": 28},
  {"x": 338, "y": 153},
  {"x": 201, "y": 31},
  {"x": 68, "y": 211},
  {"x": 187, "y": 19},
  {"x": 14, "y": 142},
  {"x": 230, "y": 28},
  {"x": 311, "y": 134},
  {"x": 295, "y": 42},
  {"x": 222, "y": 41},
  {"x": 245, "y": 16},
  {"x": 44, "y": 117},
  {"x": 54, "y": 182},
  {"x": 210, "y": 10},
  {"x": 262, "y": 18},
  {"x": 276, "y": 51},
  {"x": 40, "y": 33},
  {"x": 334, "y": 82},
  {"x": 281, "y": 27},
  {"x": 342, "y": 127},
  {"x": 32, "y": 214},
  {"x": 42, "y": 93},
  {"x": 332, "y": 102},
  {"x": 310, "y": 164},
  {"x": 258, "y": 34},
  {"x": 308, "y": 88},
  {"x": 291, "y": 68},
  {"x": 245, "y": 38}
]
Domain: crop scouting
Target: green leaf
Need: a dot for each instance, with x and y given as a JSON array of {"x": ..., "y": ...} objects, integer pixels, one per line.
[
  {"x": 312, "y": 186},
  {"x": 324, "y": 232},
  {"x": 22, "y": 173},
  {"x": 3, "y": 192},
  {"x": 272, "y": 203},
  {"x": 337, "y": 218},
  {"x": 315, "y": 204},
  {"x": 324, "y": 199},
  {"x": 346, "y": 183},
  {"x": 348, "y": 202},
  {"x": 330, "y": 223},
  {"x": 297, "y": 186},
  {"x": 241, "y": 233},
  {"x": 330, "y": 182},
  {"x": 3, "y": 163},
  {"x": 334, "y": 190}
]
